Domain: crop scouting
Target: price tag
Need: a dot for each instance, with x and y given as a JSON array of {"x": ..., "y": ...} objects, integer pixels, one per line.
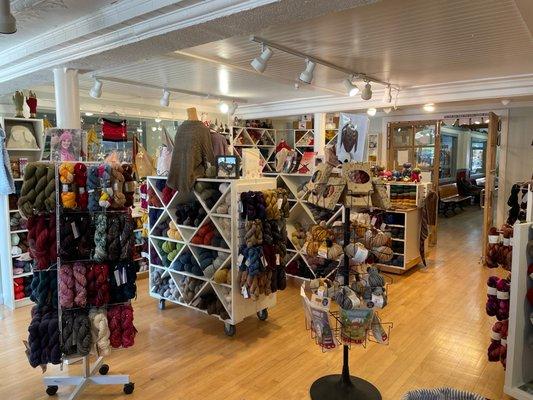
[
  {"x": 81, "y": 190},
  {"x": 115, "y": 186},
  {"x": 75, "y": 231},
  {"x": 117, "y": 276},
  {"x": 278, "y": 259},
  {"x": 373, "y": 221},
  {"x": 377, "y": 300},
  {"x": 280, "y": 203},
  {"x": 240, "y": 207},
  {"x": 240, "y": 258},
  {"x": 244, "y": 292},
  {"x": 64, "y": 188},
  {"x": 383, "y": 226},
  {"x": 90, "y": 191},
  {"x": 264, "y": 261}
]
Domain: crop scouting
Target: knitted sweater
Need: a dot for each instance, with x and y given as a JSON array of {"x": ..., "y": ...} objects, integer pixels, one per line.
[
  {"x": 6, "y": 178},
  {"x": 192, "y": 151}
]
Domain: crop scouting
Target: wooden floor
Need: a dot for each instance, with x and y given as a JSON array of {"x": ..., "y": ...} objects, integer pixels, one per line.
[{"x": 440, "y": 338}]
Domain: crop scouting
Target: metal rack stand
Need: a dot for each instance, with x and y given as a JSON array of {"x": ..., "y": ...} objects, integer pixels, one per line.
[
  {"x": 88, "y": 372},
  {"x": 344, "y": 386}
]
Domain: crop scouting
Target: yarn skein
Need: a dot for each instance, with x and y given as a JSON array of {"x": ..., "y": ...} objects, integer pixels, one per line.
[
  {"x": 79, "y": 271},
  {"x": 66, "y": 177},
  {"x": 100, "y": 238},
  {"x": 80, "y": 180},
  {"x": 129, "y": 184},
  {"x": 106, "y": 194},
  {"x": 92, "y": 188},
  {"x": 113, "y": 238},
  {"x": 117, "y": 182},
  {"x": 98, "y": 285},
  {"x": 66, "y": 286},
  {"x": 33, "y": 173},
  {"x": 100, "y": 331}
]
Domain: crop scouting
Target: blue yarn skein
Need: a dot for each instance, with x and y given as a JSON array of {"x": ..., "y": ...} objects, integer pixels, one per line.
[{"x": 92, "y": 188}]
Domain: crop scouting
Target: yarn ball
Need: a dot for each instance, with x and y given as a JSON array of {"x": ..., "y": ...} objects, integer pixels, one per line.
[{"x": 383, "y": 253}]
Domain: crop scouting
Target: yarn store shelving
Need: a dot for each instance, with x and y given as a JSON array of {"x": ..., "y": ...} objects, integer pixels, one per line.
[
  {"x": 196, "y": 250},
  {"x": 80, "y": 234},
  {"x": 519, "y": 371},
  {"x": 24, "y": 143}
]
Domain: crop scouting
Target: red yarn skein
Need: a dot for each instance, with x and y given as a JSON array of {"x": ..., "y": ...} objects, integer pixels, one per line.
[
  {"x": 114, "y": 314},
  {"x": 128, "y": 329},
  {"x": 98, "y": 285},
  {"x": 80, "y": 180},
  {"x": 502, "y": 294},
  {"x": 495, "y": 349}
]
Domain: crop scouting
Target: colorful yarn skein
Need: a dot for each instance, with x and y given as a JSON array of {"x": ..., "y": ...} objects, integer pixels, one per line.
[
  {"x": 126, "y": 237},
  {"x": 34, "y": 176},
  {"x": 113, "y": 237},
  {"x": 66, "y": 177},
  {"x": 80, "y": 180},
  {"x": 100, "y": 238},
  {"x": 66, "y": 286},
  {"x": 80, "y": 283},
  {"x": 100, "y": 331},
  {"x": 106, "y": 194},
  {"x": 42, "y": 240},
  {"x": 92, "y": 188},
  {"x": 120, "y": 322},
  {"x": 129, "y": 184},
  {"x": 98, "y": 285},
  {"x": 117, "y": 183}
]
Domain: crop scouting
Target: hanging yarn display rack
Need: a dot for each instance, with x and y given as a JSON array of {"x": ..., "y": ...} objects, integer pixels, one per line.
[
  {"x": 97, "y": 373},
  {"x": 345, "y": 386}
]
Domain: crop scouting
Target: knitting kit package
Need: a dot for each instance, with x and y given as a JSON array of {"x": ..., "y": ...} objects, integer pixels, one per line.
[
  {"x": 355, "y": 324},
  {"x": 351, "y": 142}
]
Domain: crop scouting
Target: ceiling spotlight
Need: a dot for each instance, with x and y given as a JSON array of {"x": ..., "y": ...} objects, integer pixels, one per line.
[
  {"x": 505, "y": 101},
  {"x": 89, "y": 114},
  {"x": 233, "y": 108},
  {"x": 351, "y": 89},
  {"x": 307, "y": 75},
  {"x": 139, "y": 129},
  {"x": 154, "y": 128},
  {"x": 429, "y": 107},
  {"x": 260, "y": 63},
  {"x": 157, "y": 119},
  {"x": 387, "y": 97},
  {"x": 223, "y": 107},
  {"x": 165, "y": 99},
  {"x": 477, "y": 122},
  {"x": 159, "y": 128},
  {"x": 371, "y": 111},
  {"x": 366, "y": 94},
  {"x": 387, "y": 110},
  {"x": 8, "y": 24},
  {"x": 96, "y": 90}
]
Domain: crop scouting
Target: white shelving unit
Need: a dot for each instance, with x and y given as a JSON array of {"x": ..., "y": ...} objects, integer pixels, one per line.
[
  {"x": 301, "y": 212},
  {"x": 519, "y": 369},
  {"x": 257, "y": 138},
  {"x": 236, "y": 306},
  {"x": 6, "y": 259}
]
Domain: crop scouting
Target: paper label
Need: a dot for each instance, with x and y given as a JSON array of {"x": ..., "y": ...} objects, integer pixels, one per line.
[
  {"x": 81, "y": 190},
  {"x": 373, "y": 221},
  {"x": 240, "y": 207},
  {"x": 90, "y": 191},
  {"x": 244, "y": 292},
  {"x": 64, "y": 188},
  {"x": 495, "y": 335},
  {"x": 377, "y": 300},
  {"x": 75, "y": 230},
  {"x": 506, "y": 241},
  {"x": 503, "y": 342},
  {"x": 278, "y": 261},
  {"x": 117, "y": 277},
  {"x": 511, "y": 241},
  {"x": 494, "y": 239},
  {"x": 239, "y": 259},
  {"x": 280, "y": 203},
  {"x": 491, "y": 291},
  {"x": 383, "y": 226},
  {"x": 247, "y": 262},
  {"x": 502, "y": 295},
  {"x": 263, "y": 261},
  {"x": 144, "y": 254},
  {"x": 124, "y": 276}
]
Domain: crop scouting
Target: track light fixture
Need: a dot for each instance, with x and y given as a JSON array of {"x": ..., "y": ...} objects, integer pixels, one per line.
[
  {"x": 429, "y": 107},
  {"x": 260, "y": 63},
  {"x": 366, "y": 94},
  {"x": 387, "y": 96},
  {"x": 307, "y": 75},
  {"x": 351, "y": 89},
  {"x": 371, "y": 111},
  {"x": 233, "y": 108},
  {"x": 165, "y": 99},
  {"x": 223, "y": 107},
  {"x": 96, "y": 90}
]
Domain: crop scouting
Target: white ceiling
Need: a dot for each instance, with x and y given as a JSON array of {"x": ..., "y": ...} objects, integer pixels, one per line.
[{"x": 417, "y": 44}]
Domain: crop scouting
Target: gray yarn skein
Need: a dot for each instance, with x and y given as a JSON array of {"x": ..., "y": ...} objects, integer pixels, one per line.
[
  {"x": 346, "y": 298},
  {"x": 100, "y": 253}
]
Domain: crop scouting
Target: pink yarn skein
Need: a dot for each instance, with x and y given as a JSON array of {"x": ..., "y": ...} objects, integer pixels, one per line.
[
  {"x": 80, "y": 281},
  {"x": 66, "y": 286}
]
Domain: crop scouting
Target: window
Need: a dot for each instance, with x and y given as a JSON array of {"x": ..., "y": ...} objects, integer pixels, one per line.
[
  {"x": 478, "y": 150},
  {"x": 448, "y": 158}
]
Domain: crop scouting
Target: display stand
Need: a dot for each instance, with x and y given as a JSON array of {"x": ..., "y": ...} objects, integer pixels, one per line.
[
  {"x": 226, "y": 225},
  {"x": 344, "y": 386}
]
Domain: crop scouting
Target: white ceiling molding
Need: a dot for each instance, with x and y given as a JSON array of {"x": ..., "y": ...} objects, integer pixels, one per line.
[
  {"x": 492, "y": 88},
  {"x": 132, "y": 30}
]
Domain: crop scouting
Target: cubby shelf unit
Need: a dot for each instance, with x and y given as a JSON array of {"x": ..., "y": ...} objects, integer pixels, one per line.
[
  {"x": 257, "y": 138},
  {"x": 236, "y": 306},
  {"x": 6, "y": 259},
  {"x": 301, "y": 212}
]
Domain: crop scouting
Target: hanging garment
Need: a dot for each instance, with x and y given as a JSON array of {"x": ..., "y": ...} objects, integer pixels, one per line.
[
  {"x": 220, "y": 144},
  {"x": 7, "y": 185},
  {"x": 190, "y": 157},
  {"x": 429, "y": 218},
  {"x": 114, "y": 131}
]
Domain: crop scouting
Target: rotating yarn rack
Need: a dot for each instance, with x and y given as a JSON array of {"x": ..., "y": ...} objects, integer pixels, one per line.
[{"x": 89, "y": 372}]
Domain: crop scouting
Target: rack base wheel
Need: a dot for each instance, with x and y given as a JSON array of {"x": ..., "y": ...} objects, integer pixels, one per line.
[
  {"x": 262, "y": 315},
  {"x": 128, "y": 388},
  {"x": 331, "y": 387},
  {"x": 104, "y": 369},
  {"x": 51, "y": 390},
  {"x": 229, "y": 329},
  {"x": 162, "y": 304}
]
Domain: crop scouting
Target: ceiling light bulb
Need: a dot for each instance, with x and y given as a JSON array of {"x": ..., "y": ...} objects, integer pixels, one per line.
[
  {"x": 260, "y": 63},
  {"x": 157, "y": 119},
  {"x": 96, "y": 90},
  {"x": 387, "y": 96},
  {"x": 351, "y": 89},
  {"x": 366, "y": 94},
  {"x": 371, "y": 111},
  {"x": 233, "y": 108},
  {"x": 487, "y": 121},
  {"x": 165, "y": 99},
  {"x": 139, "y": 129},
  {"x": 429, "y": 107},
  {"x": 477, "y": 122},
  {"x": 387, "y": 110},
  {"x": 307, "y": 75},
  {"x": 154, "y": 128},
  {"x": 223, "y": 107},
  {"x": 89, "y": 114},
  {"x": 8, "y": 24},
  {"x": 159, "y": 128}
]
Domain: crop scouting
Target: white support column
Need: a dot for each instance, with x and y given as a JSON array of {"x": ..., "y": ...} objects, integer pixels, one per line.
[
  {"x": 67, "y": 98},
  {"x": 320, "y": 133}
]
